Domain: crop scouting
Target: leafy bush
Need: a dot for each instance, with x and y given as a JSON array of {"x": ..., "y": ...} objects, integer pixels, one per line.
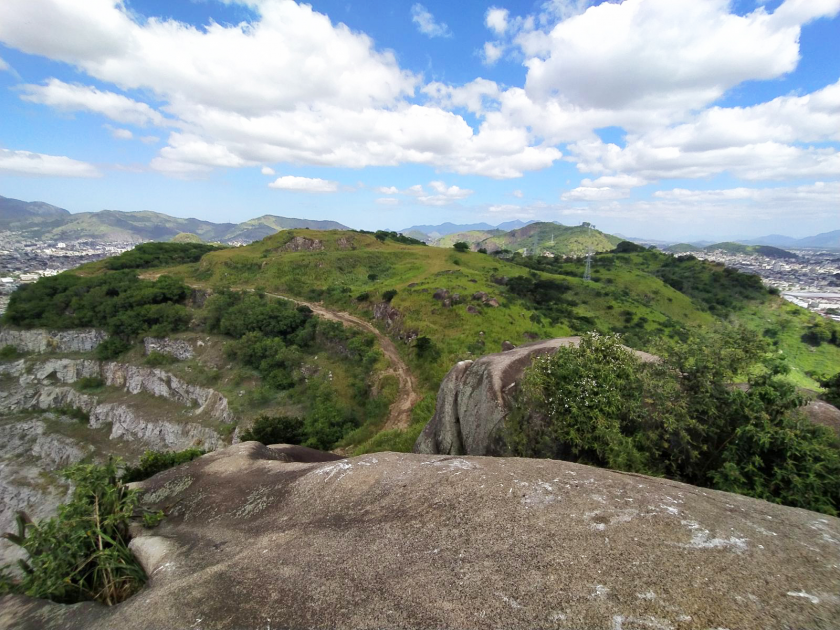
[
  {"x": 111, "y": 348},
  {"x": 389, "y": 295},
  {"x": 90, "y": 383},
  {"x": 148, "y": 255},
  {"x": 118, "y": 302},
  {"x": 274, "y": 430},
  {"x": 153, "y": 462},
  {"x": 158, "y": 359},
  {"x": 832, "y": 390},
  {"x": 461, "y": 246},
  {"x": 599, "y": 404},
  {"x": 82, "y": 554},
  {"x": 8, "y": 352},
  {"x": 363, "y": 297},
  {"x": 628, "y": 247}
]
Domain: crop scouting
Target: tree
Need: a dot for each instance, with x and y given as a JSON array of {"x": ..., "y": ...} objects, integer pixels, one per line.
[{"x": 461, "y": 246}]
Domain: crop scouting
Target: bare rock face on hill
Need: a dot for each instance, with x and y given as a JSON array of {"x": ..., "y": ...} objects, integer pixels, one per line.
[
  {"x": 472, "y": 400},
  {"x": 260, "y": 537}
]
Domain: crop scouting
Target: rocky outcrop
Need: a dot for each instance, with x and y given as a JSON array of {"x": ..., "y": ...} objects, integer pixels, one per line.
[
  {"x": 177, "y": 348},
  {"x": 303, "y": 244},
  {"x": 40, "y": 340},
  {"x": 256, "y": 538},
  {"x": 473, "y": 399},
  {"x": 820, "y": 412},
  {"x": 155, "y": 434},
  {"x": 133, "y": 379}
]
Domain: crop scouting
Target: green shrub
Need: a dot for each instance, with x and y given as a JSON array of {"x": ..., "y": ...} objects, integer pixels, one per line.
[
  {"x": 158, "y": 359},
  {"x": 153, "y": 462},
  {"x": 8, "y": 353},
  {"x": 148, "y": 255},
  {"x": 389, "y": 295},
  {"x": 363, "y": 297},
  {"x": 90, "y": 383},
  {"x": 599, "y": 404},
  {"x": 461, "y": 246},
  {"x": 832, "y": 390},
  {"x": 82, "y": 554},
  {"x": 111, "y": 348},
  {"x": 274, "y": 430}
]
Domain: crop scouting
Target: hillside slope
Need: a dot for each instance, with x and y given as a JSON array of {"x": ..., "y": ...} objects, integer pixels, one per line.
[{"x": 561, "y": 240}]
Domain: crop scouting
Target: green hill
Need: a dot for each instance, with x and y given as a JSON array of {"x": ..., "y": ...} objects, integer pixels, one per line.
[
  {"x": 15, "y": 213},
  {"x": 560, "y": 240},
  {"x": 440, "y": 306},
  {"x": 682, "y": 248},
  {"x": 756, "y": 250},
  {"x": 473, "y": 237}
]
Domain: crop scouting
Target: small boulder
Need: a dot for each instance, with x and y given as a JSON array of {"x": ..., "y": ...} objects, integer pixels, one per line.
[
  {"x": 441, "y": 294},
  {"x": 492, "y": 302},
  {"x": 507, "y": 345},
  {"x": 480, "y": 296},
  {"x": 473, "y": 310}
]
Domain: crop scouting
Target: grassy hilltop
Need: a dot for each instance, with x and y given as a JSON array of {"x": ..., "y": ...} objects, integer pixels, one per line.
[
  {"x": 441, "y": 306},
  {"x": 561, "y": 240}
]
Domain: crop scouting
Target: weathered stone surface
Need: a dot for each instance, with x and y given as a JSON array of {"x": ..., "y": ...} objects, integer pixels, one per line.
[
  {"x": 129, "y": 424},
  {"x": 131, "y": 378},
  {"x": 254, "y": 540},
  {"x": 473, "y": 398},
  {"x": 304, "y": 244},
  {"x": 441, "y": 294},
  {"x": 177, "y": 348},
  {"x": 39, "y": 340},
  {"x": 507, "y": 346},
  {"x": 820, "y": 412}
]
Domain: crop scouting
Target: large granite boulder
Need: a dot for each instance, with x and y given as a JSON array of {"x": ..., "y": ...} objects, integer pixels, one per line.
[
  {"x": 256, "y": 538},
  {"x": 473, "y": 399}
]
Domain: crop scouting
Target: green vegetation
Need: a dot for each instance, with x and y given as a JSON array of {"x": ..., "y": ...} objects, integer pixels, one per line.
[
  {"x": 148, "y": 255},
  {"x": 274, "y": 430},
  {"x": 187, "y": 237},
  {"x": 8, "y": 353},
  {"x": 738, "y": 248},
  {"x": 153, "y": 462},
  {"x": 832, "y": 390},
  {"x": 158, "y": 359},
  {"x": 561, "y": 240},
  {"x": 598, "y": 404},
  {"x": 461, "y": 246},
  {"x": 82, "y": 554},
  {"x": 383, "y": 235},
  {"x": 118, "y": 302}
]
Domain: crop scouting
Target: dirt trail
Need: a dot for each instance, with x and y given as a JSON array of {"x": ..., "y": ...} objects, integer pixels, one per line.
[{"x": 399, "y": 416}]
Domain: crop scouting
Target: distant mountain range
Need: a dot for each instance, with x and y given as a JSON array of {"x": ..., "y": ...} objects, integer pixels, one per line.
[
  {"x": 40, "y": 220},
  {"x": 826, "y": 240}
]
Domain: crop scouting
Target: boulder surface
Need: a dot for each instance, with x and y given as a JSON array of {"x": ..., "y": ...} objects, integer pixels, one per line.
[{"x": 256, "y": 538}]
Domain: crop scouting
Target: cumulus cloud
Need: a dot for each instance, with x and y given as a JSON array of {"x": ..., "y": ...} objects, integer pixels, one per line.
[
  {"x": 28, "y": 163},
  {"x": 4, "y": 67},
  {"x": 304, "y": 184},
  {"x": 120, "y": 134},
  {"x": 267, "y": 170},
  {"x": 74, "y": 97},
  {"x": 426, "y": 22},
  {"x": 518, "y": 194},
  {"x": 435, "y": 193},
  {"x": 496, "y": 20},
  {"x": 149, "y": 139},
  {"x": 388, "y": 201},
  {"x": 388, "y": 190}
]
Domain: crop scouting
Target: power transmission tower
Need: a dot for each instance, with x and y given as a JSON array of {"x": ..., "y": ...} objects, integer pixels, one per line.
[{"x": 587, "y": 274}]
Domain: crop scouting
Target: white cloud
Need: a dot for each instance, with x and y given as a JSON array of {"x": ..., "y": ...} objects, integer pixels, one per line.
[
  {"x": 73, "y": 97},
  {"x": 439, "y": 194},
  {"x": 473, "y": 96},
  {"x": 388, "y": 190},
  {"x": 426, "y": 23},
  {"x": 307, "y": 91},
  {"x": 28, "y": 163},
  {"x": 493, "y": 51},
  {"x": 304, "y": 184},
  {"x": 120, "y": 134},
  {"x": 496, "y": 20},
  {"x": 388, "y": 201},
  {"x": 4, "y": 67},
  {"x": 149, "y": 139},
  {"x": 267, "y": 170},
  {"x": 518, "y": 194},
  {"x": 592, "y": 193}
]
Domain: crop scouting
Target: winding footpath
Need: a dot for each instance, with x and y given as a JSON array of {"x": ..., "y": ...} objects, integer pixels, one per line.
[{"x": 399, "y": 416}]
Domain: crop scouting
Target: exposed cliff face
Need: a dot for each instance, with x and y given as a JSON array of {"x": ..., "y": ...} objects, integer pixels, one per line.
[
  {"x": 177, "y": 348},
  {"x": 40, "y": 341},
  {"x": 473, "y": 400},
  {"x": 131, "y": 378},
  {"x": 254, "y": 536}
]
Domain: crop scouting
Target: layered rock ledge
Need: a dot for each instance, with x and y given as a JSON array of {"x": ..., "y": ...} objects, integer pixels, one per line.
[
  {"x": 40, "y": 340},
  {"x": 257, "y": 538}
]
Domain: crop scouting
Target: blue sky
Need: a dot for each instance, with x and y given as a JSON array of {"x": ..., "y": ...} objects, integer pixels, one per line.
[{"x": 670, "y": 119}]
